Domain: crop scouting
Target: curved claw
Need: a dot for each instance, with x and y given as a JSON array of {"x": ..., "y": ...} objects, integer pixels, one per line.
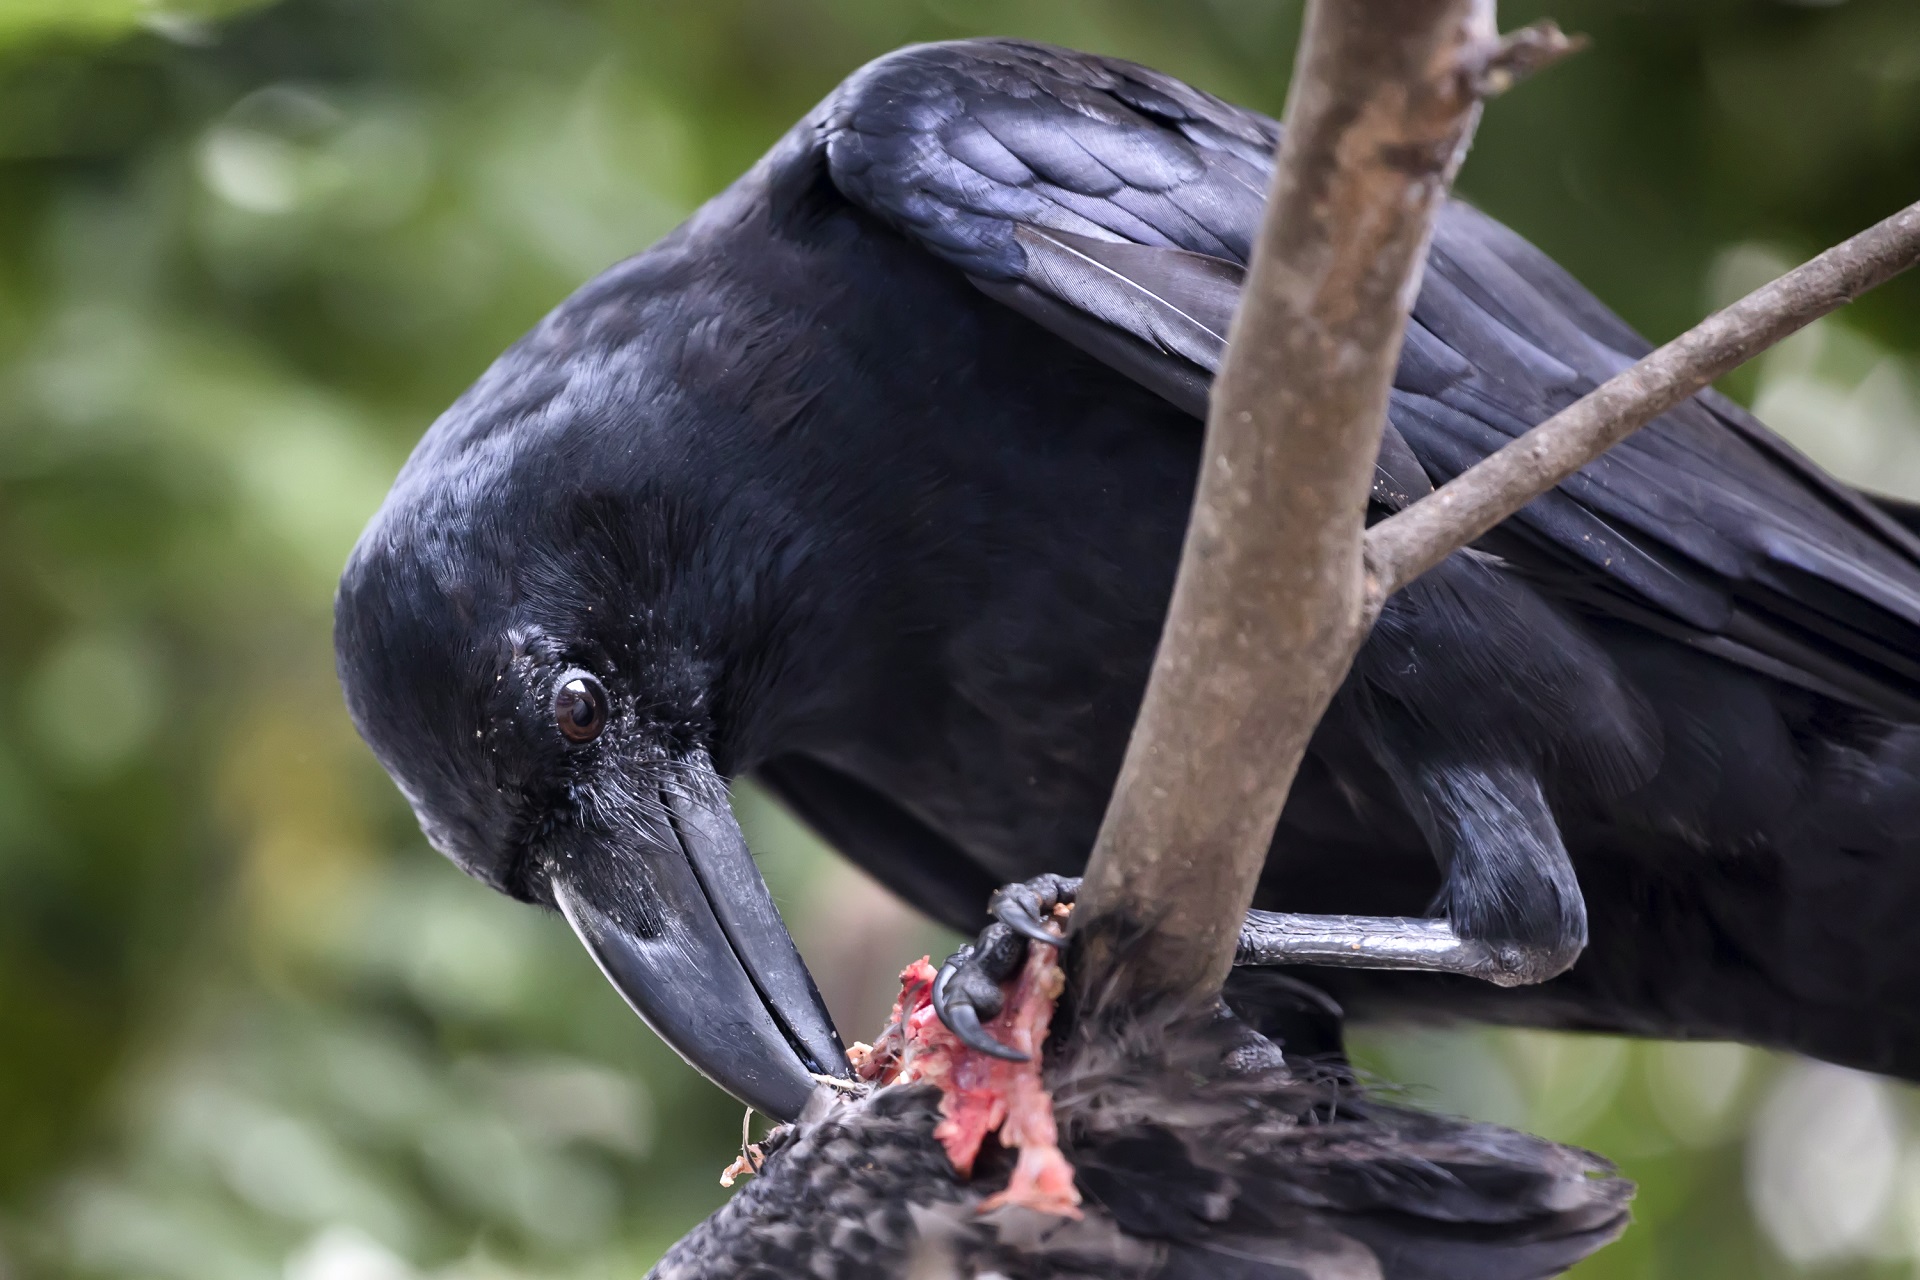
[
  {"x": 964, "y": 1021},
  {"x": 1019, "y": 912},
  {"x": 942, "y": 978},
  {"x": 960, "y": 1017},
  {"x": 1026, "y": 907}
]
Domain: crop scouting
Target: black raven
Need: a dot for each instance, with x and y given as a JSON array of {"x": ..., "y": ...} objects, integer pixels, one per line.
[{"x": 870, "y": 479}]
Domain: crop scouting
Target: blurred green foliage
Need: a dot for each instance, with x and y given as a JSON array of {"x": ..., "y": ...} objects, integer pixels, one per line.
[{"x": 249, "y": 1026}]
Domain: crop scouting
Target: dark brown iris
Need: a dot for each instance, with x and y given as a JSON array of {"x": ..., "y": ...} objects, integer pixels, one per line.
[{"x": 580, "y": 708}]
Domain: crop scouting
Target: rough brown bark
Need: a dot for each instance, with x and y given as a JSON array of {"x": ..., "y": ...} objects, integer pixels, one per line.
[
  {"x": 1279, "y": 580},
  {"x": 1404, "y": 546},
  {"x": 1268, "y": 608}
]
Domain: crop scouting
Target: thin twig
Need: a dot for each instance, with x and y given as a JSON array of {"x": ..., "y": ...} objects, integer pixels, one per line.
[
  {"x": 1521, "y": 54},
  {"x": 1404, "y": 546}
]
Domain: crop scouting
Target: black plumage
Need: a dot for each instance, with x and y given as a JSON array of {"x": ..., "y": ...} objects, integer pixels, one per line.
[
  {"x": 1188, "y": 1172},
  {"x": 870, "y": 480}
]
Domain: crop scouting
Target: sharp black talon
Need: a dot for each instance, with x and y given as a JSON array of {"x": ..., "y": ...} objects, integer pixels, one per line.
[
  {"x": 959, "y": 1010},
  {"x": 964, "y": 1022},
  {"x": 1026, "y": 907},
  {"x": 945, "y": 976},
  {"x": 966, "y": 991},
  {"x": 1021, "y": 914}
]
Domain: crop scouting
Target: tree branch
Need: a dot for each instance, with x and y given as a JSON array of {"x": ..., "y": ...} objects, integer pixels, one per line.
[
  {"x": 1279, "y": 580},
  {"x": 1406, "y": 545},
  {"x": 1268, "y": 608}
]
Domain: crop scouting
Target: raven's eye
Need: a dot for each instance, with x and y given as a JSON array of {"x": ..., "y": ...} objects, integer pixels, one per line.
[{"x": 580, "y": 707}]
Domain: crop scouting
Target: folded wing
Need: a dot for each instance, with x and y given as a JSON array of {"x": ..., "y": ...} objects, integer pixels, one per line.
[{"x": 1116, "y": 206}]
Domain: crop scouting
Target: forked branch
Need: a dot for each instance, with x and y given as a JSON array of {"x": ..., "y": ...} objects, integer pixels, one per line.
[
  {"x": 1279, "y": 579},
  {"x": 1268, "y": 608}
]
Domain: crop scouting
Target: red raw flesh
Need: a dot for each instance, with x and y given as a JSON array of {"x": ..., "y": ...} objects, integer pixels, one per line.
[{"x": 981, "y": 1094}]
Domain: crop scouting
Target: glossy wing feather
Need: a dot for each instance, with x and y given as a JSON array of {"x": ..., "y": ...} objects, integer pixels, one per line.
[{"x": 1115, "y": 206}]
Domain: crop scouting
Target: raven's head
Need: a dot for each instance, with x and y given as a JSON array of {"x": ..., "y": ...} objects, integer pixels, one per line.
[{"x": 529, "y": 635}]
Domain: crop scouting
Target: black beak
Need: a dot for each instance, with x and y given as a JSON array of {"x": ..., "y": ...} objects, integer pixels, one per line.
[{"x": 669, "y": 903}]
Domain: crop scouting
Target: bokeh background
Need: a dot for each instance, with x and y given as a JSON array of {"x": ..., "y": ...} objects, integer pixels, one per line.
[{"x": 250, "y": 1027}]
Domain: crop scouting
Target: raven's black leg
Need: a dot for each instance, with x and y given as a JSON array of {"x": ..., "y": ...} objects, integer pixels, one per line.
[
  {"x": 1388, "y": 942},
  {"x": 1511, "y": 907},
  {"x": 1508, "y": 882},
  {"x": 1503, "y": 938}
]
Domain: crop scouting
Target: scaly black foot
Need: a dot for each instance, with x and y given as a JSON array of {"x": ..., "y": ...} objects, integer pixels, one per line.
[{"x": 966, "y": 993}]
